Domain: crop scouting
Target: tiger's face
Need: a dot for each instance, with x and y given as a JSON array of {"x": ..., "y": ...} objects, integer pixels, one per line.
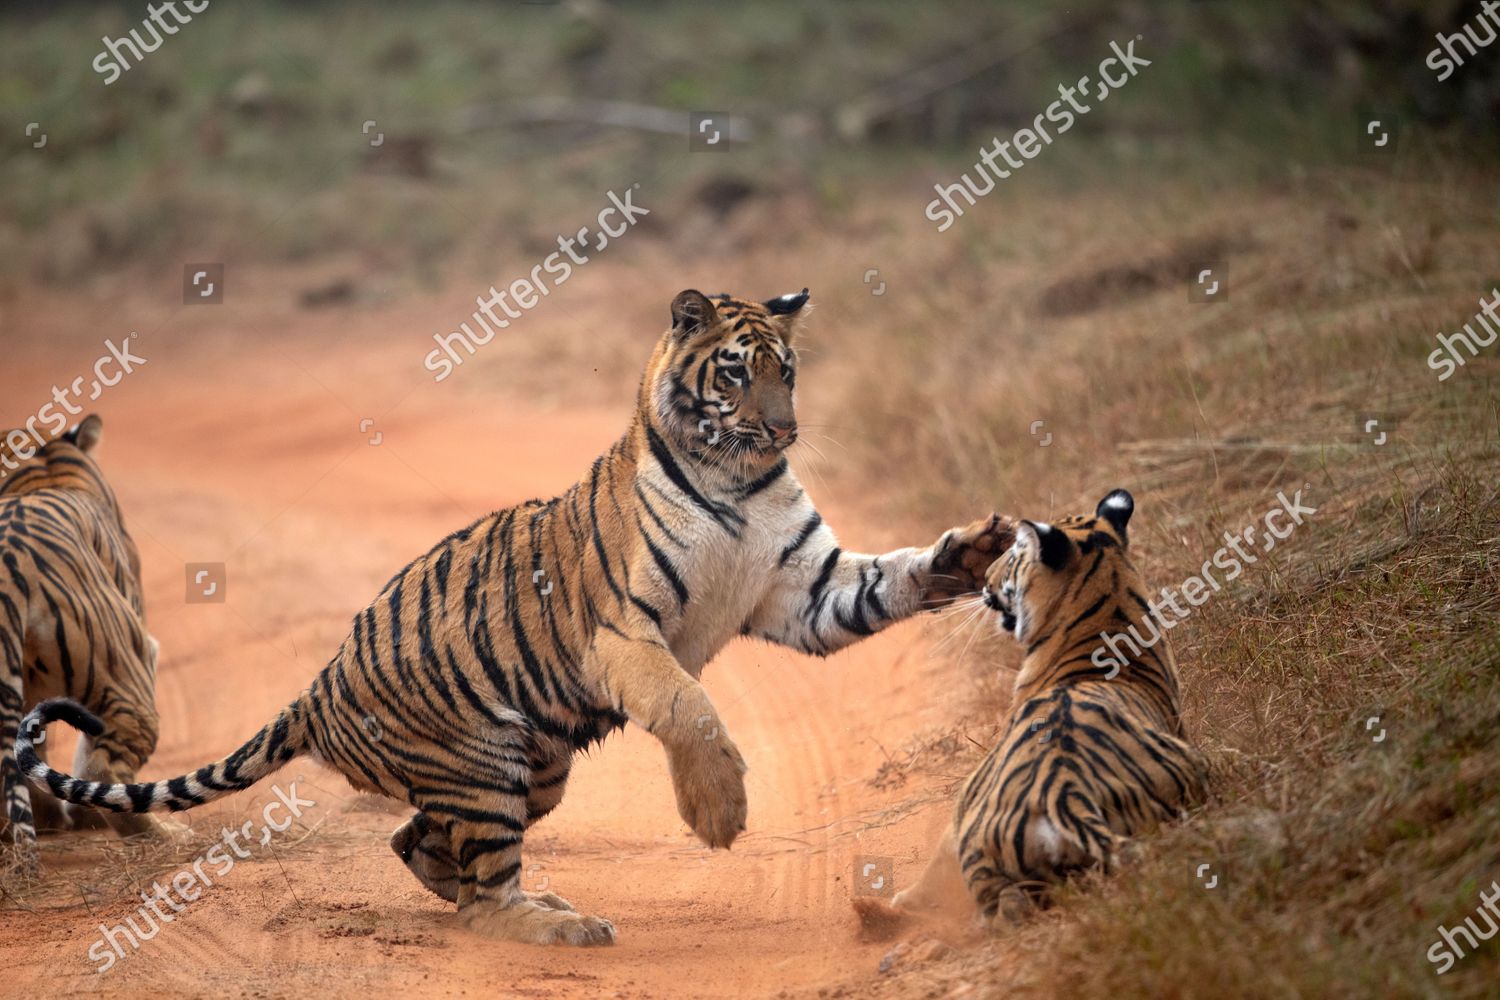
[
  {"x": 1032, "y": 583},
  {"x": 724, "y": 378}
]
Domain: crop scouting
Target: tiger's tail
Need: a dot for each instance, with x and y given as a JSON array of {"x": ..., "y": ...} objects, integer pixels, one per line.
[{"x": 281, "y": 739}]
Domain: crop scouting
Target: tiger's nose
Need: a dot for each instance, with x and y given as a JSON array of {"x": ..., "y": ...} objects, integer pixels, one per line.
[{"x": 779, "y": 431}]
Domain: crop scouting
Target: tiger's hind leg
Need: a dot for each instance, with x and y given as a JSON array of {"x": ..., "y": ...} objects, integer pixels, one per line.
[
  {"x": 424, "y": 845},
  {"x": 940, "y": 883},
  {"x": 50, "y": 813},
  {"x": 424, "y": 848},
  {"x": 1003, "y": 897},
  {"x": 19, "y": 827},
  {"x": 127, "y": 707},
  {"x": 1003, "y": 901},
  {"x": 74, "y": 816},
  {"x": 484, "y": 839},
  {"x": 114, "y": 755},
  {"x": 1000, "y": 899},
  {"x": 548, "y": 782}
]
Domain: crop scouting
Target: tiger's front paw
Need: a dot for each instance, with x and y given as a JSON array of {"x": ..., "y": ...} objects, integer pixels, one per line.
[
  {"x": 961, "y": 557},
  {"x": 708, "y": 775}
]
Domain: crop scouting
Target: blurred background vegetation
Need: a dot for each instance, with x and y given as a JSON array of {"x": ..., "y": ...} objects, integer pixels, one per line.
[{"x": 254, "y": 113}]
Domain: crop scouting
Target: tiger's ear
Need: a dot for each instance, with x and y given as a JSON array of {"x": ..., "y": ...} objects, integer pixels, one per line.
[
  {"x": 87, "y": 435},
  {"x": 692, "y": 313},
  {"x": 1054, "y": 547},
  {"x": 1116, "y": 509},
  {"x": 785, "y": 310}
]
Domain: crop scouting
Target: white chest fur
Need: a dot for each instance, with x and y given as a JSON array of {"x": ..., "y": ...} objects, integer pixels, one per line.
[{"x": 727, "y": 575}]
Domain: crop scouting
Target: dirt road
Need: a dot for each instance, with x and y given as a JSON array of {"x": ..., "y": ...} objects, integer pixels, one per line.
[{"x": 240, "y": 442}]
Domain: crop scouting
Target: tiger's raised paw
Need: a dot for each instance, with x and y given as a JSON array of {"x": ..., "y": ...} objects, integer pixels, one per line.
[
  {"x": 708, "y": 776},
  {"x": 961, "y": 557}
]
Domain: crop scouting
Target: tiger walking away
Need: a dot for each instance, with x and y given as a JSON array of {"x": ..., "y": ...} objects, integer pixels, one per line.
[
  {"x": 1091, "y": 754},
  {"x": 485, "y": 664},
  {"x": 72, "y": 624}
]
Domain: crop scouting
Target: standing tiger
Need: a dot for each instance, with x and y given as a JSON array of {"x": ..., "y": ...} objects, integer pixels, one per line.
[
  {"x": 468, "y": 684},
  {"x": 72, "y": 624},
  {"x": 1092, "y": 754}
]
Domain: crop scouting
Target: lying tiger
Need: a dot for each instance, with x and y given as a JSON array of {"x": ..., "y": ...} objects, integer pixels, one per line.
[
  {"x": 71, "y": 624},
  {"x": 469, "y": 683},
  {"x": 1094, "y": 750}
]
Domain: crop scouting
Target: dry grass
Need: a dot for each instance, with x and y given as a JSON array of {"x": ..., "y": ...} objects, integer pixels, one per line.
[
  {"x": 1337, "y": 857},
  {"x": 100, "y": 869}
]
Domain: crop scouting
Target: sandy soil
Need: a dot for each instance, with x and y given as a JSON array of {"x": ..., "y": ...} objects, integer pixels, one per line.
[{"x": 240, "y": 442}]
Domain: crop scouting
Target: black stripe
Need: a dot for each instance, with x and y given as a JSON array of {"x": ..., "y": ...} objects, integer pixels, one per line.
[
  {"x": 679, "y": 479},
  {"x": 667, "y": 569},
  {"x": 651, "y": 510},
  {"x": 651, "y": 612},
  {"x": 609, "y": 576},
  {"x": 769, "y": 477},
  {"x": 815, "y": 592},
  {"x": 802, "y": 537}
]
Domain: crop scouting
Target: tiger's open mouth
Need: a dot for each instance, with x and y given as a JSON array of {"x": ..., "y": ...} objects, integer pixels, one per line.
[{"x": 1008, "y": 622}]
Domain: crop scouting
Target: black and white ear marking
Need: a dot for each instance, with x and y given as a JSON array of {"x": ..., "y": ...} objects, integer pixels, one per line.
[
  {"x": 1116, "y": 509},
  {"x": 786, "y": 305},
  {"x": 1054, "y": 547}
]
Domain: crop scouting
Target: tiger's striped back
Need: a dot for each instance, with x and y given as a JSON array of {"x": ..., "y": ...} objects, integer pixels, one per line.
[{"x": 1094, "y": 750}]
